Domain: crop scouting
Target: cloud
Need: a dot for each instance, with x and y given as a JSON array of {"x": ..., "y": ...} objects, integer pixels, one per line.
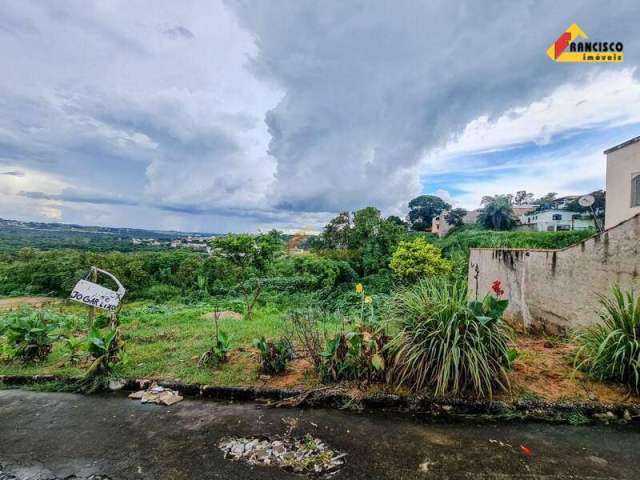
[
  {"x": 370, "y": 88},
  {"x": 245, "y": 115},
  {"x": 178, "y": 32},
  {"x": 13, "y": 174},
  {"x": 51, "y": 213}
]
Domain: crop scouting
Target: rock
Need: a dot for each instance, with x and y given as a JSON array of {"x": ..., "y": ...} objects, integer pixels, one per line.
[
  {"x": 598, "y": 460},
  {"x": 116, "y": 384},
  {"x": 136, "y": 395}
]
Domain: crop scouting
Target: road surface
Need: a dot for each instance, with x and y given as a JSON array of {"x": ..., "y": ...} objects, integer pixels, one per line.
[{"x": 58, "y": 436}]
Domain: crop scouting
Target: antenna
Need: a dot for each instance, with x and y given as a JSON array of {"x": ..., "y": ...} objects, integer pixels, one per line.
[{"x": 587, "y": 201}]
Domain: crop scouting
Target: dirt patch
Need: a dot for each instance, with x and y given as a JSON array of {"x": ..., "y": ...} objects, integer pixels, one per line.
[
  {"x": 544, "y": 369},
  {"x": 223, "y": 315},
  {"x": 299, "y": 374},
  {"x": 10, "y": 303}
]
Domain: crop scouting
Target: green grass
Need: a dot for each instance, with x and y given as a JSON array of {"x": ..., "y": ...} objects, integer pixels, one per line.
[
  {"x": 477, "y": 238},
  {"x": 166, "y": 342}
]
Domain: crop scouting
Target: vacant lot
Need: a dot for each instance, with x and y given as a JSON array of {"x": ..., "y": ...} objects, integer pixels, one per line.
[{"x": 166, "y": 341}]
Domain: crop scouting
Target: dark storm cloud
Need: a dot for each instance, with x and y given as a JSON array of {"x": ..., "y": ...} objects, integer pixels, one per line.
[
  {"x": 371, "y": 86},
  {"x": 271, "y": 111}
]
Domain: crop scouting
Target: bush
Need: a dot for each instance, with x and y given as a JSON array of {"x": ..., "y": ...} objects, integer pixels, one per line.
[
  {"x": 611, "y": 350},
  {"x": 355, "y": 355},
  {"x": 30, "y": 334},
  {"x": 161, "y": 293},
  {"x": 446, "y": 344},
  {"x": 418, "y": 259},
  {"x": 307, "y": 327},
  {"x": 274, "y": 355}
]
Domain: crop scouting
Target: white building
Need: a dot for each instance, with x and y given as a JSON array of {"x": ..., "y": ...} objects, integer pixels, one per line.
[
  {"x": 554, "y": 220},
  {"x": 623, "y": 182}
]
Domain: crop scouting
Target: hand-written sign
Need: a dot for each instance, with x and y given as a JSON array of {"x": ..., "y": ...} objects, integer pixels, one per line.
[{"x": 96, "y": 295}]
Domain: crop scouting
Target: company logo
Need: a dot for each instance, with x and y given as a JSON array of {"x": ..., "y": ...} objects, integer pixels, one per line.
[{"x": 572, "y": 46}]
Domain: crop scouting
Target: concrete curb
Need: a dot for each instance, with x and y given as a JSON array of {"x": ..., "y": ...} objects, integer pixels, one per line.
[{"x": 489, "y": 410}]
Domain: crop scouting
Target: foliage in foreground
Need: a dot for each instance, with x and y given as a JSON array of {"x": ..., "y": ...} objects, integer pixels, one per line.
[
  {"x": 446, "y": 344},
  {"x": 611, "y": 350},
  {"x": 355, "y": 355},
  {"x": 30, "y": 333},
  {"x": 274, "y": 355}
]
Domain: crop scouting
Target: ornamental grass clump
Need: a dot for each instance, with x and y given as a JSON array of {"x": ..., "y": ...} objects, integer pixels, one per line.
[
  {"x": 611, "y": 350},
  {"x": 448, "y": 345}
]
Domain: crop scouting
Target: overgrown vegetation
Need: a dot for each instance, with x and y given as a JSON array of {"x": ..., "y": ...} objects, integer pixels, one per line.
[
  {"x": 274, "y": 355},
  {"x": 30, "y": 334},
  {"x": 447, "y": 344},
  {"x": 369, "y": 301},
  {"x": 611, "y": 350}
]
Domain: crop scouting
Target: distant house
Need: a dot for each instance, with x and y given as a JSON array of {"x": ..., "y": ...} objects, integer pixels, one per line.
[
  {"x": 623, "y": 182},
  {"x": 554, "y": 220},
  {"x": 440, "y": 227},
  {"x": 519, "y": 210}
]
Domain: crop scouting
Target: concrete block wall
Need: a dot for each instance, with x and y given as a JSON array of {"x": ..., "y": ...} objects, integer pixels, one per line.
[{"x": 556, "y": 290}]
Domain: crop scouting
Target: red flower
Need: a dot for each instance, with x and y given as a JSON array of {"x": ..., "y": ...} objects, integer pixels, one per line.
[{"x": 496, "y": 286}]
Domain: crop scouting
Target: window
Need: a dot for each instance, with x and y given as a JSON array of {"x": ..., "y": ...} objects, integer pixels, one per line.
[
  {"x": 635, "y": 191},
  {"x": 556, "y": 216}
]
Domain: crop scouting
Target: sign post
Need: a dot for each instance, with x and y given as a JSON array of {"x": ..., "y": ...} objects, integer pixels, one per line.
[{"x": 96, "y": 296}]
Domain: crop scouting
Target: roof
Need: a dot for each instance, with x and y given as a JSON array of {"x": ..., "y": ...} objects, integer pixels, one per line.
[{"x": 622, "y": 145}]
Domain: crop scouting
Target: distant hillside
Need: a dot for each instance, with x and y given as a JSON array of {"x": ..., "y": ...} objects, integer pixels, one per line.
[{"x": 15, "y": 234}]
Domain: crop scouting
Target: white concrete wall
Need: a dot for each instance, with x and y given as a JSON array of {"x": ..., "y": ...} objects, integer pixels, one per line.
[
  {"x": 622, "y": 166},
  {"x": 555, "y": 290}
]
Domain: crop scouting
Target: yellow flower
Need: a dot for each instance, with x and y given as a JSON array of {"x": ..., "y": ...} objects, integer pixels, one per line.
[
  {"x": 359, "y": 288},
  {"x": 368, "y": 299}
]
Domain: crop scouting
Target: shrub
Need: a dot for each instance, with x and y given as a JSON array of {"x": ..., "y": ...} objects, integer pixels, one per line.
[
  {"x": 354, "y": 355},
  {"x": 611, "y": 350},
  {"x": 161, "y": 293},
  {"x": 446, "y": 344},
  {"x": 30, "y": 333},
  {"x": 274, "y": 355},
  {"x": 74, "y": 348},
  {"x": 105, "y": 349},
  {"x": 418, "y": 259},
  {"x": 307, "y": 328},
  {"x": 217, "y": 354}
]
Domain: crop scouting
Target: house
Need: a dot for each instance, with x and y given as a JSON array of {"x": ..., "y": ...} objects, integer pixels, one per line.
[
  {"x": 554, "y": 220},
  {"x": 623, "y": 182},
  {"x": 440, "y": 227}
]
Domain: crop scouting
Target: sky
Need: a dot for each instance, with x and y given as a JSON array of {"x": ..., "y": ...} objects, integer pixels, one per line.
[{"x": 220, "y": 116}]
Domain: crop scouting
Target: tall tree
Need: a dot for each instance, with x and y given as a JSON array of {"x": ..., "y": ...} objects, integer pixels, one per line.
[
  {"x": 455, "y": 217},
  {"x": 497, "y": 212},
  {"x": 336, "y": 233},
  {"x": 422, "y": 209},
  {"x": 249, "y": 256},
  {"x": 523, "y": 197}
]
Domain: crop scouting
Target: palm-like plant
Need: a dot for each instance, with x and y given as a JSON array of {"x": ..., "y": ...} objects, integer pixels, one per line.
[
  {"x": 611, "y": 350},
  {"x": 446, "y": 344}
]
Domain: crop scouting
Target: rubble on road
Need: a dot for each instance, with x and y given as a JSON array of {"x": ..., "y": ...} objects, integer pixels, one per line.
[
  {"x": 300, "y": 455},
  {"x": 158, "y": 395}
]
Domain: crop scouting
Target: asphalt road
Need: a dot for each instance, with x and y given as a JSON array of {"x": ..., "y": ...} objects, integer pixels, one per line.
[{"x": 56, "y": 436}]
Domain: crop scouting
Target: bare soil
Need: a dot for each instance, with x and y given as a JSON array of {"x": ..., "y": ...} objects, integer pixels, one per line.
[
  {"x": 9, "y": 303},
  {"x": 544, "y": 370}
]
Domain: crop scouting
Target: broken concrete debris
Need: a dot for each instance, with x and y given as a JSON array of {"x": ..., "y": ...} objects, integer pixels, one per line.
[
  {"x": 158, "y": 395},
  {"x": 300, "y": 455}
]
